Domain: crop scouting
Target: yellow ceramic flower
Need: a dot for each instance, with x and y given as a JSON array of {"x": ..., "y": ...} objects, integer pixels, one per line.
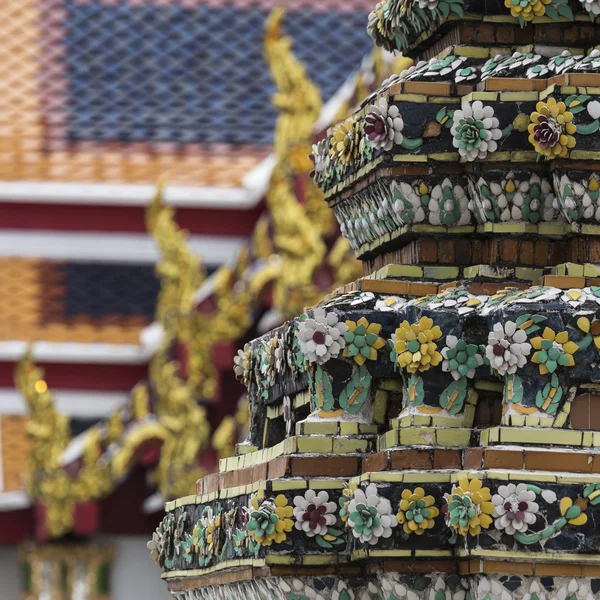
[
  {"x": 553, "y": 350},
  {"x": 417, "y": 511},
  {"x": 270, "y": 520},
  {"x": 345, "y": 141},
  {"x": 527, "y": 9},
  {"x": 551, "y": 128},
  {"x": 415, "y": 346},
  {"x": 469, "y": 507},
  {"x": 362, "y": 340},
  {"x": 592, "y": 328},
  {"x": 574, "y": 513}
]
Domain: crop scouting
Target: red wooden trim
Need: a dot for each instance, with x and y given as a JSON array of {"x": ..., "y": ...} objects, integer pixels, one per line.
[
  {"x": 72, "y": 217},
  {"x": 117, "y": 378}
]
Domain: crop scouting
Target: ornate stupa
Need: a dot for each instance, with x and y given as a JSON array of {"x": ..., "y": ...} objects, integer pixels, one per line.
[{"x": 428, "y": 431}]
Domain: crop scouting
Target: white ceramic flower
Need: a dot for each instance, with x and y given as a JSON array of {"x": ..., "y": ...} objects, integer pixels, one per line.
[
  {"x": 321, "y": 337},
  {"x": 241, "y": 364},
  {"x": 314, "y": 513},
  {"x": 370, "y": 515},
  {"x": 384, "y": 125},
  {"x": 320, "y": 157},
  {"x": 507, "y": 348},
  {"x": 515, "y": 508},
  {"x": 475, "y": 130},
  {"x": 430, "y": 4},
  {"x": 592, "y": 6}
]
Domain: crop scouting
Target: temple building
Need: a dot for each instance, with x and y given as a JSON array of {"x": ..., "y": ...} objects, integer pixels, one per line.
[
  {"x": 125, "y": 303},
  {"x": 427, "y": 432}
]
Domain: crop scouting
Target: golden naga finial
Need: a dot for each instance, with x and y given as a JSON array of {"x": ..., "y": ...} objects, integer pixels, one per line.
[
  {"x": 297, "y": 99},
  {"x": 50, "y": 434},
  {"x": 184, "y": 428},
  {"x": 288, "y": 244},
  {"x": 48, "y": 482},
  {"x": 49, "y": 431},
  {"x": 179, "y": 269}
]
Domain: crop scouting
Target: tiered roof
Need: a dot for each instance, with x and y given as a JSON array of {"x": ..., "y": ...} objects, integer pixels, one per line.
[{"x": 194, "y": 337}]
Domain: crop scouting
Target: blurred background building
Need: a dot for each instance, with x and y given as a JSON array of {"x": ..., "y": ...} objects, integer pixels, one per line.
[{"x": 127, "y": 394}]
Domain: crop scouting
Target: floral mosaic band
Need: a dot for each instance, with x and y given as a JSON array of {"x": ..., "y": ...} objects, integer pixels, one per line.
[
  {"x": 442, "y": 515},
  {"x": 405, "y": 24},
  {"x": 536, "y": 347},
  {"x": 486, "y": 128}
]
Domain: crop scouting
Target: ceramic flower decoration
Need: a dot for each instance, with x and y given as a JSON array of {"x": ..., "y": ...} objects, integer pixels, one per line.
[
  {"x": 553, "y": 350},
  {"x": 417, "y": 511},
  {"x": 268, "y": 366},
  {"x": 345, "y": 142},
  {"x": 314, "y": 513},
  {"x": 362, "y": 340},
  {"x": 430, "y": 4},
  {"x": 320, "y": 158},
  {"x": 370, "y": 516},
  {"x": 507, "y": 348},
  {"x": 551, "y": 129},
  {"x": 514, "y": 508},
  {"x": 448, "y": 205},
  {"x": 383, "y": 125},
  {"x": 469, "y": 507},
  {"x": 159, "y": 544},
  {"x": 460, "y": 359},
  {"x": 573, "y": 512},
  {"x": 415, "y": 347},
  {"x": 242, "y": 364},
  {"x": 527, "y": 9},
  {"x": 321, "y": 337},
  {"x": 475, "y": 130},
  {"x": 592, "y": 6},
  {"x": 270, "y": 520}
]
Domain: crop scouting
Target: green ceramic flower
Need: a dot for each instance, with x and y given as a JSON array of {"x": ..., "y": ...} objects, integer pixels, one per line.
[
  {"x": 362, "y": 340},
  {"x": 365, "y": 519},
  {"x": 460, "y": 359},
  {"x": 270, "y": 520},
  {"x": 553, "y": 350}
]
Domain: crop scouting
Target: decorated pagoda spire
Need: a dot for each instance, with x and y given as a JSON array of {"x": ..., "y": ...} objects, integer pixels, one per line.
[{"x": 429, "y": 431}]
